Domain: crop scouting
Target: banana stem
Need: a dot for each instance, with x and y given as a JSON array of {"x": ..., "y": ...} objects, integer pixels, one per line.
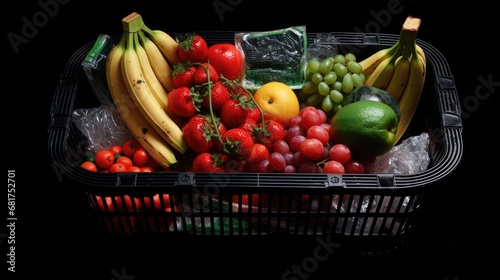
[{"x": 132, "y": 22}]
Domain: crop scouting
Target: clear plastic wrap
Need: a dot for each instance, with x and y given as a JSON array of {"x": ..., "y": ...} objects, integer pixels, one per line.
[
  {"x": 103, "y": 127},
  {"x": 409, "y": 157}
]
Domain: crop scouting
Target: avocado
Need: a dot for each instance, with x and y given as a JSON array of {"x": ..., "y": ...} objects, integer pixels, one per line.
[{"x": 376, "y": 94}]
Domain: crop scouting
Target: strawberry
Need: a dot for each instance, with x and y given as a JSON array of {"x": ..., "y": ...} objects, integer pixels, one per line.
[
  {"x": 255, "y": 114},
  {"x": 220, "y": 95},
  {"x": 257, "y": 155},
  {"x": 209, "y": 162},
  {"x": 248, "y": 124},
  {"x": 235, "y": 111},
  {"x": 183, "y": 75},
  {"x": 269, "y": 133},
  {"x": 234, "y": 88},
  {"x": 182, "y": 102},
  {"x": 193, "y": 48},
  {"x": 200, "y": 75},
  {"x": 233, "y": 165},
  {"x": 237, "y": 143},
  {"x": 198, "y": 134}
]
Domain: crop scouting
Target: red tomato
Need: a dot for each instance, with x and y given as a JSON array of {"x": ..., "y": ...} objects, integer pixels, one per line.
[
  {"x": 156, "y": 202},
  {"x": 90, "y": 166},
  {"x": 118, "y": 167},
  {"x": 116, "y": 149},
  {"x": 130, "y": 147},
  {"x": 125, "y": 160},
  {"x": 140, "y": 157},
  {"x": 134, "y": 169},
  {"x": 146, "y": 168},
  {"x": 104, "y": 159}
]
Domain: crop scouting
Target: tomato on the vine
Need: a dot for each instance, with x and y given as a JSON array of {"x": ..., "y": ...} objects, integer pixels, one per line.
[{"x": 104, "y": 159}]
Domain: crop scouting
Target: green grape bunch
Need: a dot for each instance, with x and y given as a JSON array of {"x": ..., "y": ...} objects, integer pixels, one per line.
[{"x": 329, "y": 82}]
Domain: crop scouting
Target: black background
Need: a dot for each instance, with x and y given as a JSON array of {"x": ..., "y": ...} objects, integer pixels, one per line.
[{"x": 453, "y": 237}]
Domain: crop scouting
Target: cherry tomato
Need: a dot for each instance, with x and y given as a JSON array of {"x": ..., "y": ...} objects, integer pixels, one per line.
[
  {"x": 116, "y": 149},
  {"x": 118, "y": 167},
  {"x": 146, "y": 168},
  {"x": 90, "y": 166},
  {"x": 104, "y": 159},
  {"x": 134, "y": 168},
  {"x": 156, "y": 205},
  {"x": 340, "y": 153},
  {"x": 130, "y": 147},
  {"x": 125, "y": 160},
  {"x": 140, "y": 157}
]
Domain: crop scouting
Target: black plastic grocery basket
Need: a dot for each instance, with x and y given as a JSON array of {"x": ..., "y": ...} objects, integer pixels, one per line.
[{"x": 371, "y": 209}]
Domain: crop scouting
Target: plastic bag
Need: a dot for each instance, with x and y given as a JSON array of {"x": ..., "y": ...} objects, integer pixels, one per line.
[
  {"x": 409, "y": 157},
  {"x": 276, "y": 55},
  {"x": 326, "y": 45},
  {"x": 103, "y": 127},
  {"x": 94, "y": 66}
]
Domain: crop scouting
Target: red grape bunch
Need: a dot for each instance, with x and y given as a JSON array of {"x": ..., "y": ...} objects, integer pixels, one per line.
[{"x": 308, "y": 148}]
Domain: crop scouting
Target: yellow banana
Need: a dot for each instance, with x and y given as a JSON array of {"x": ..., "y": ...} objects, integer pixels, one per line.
[
  {"x": 421, "y": 53},
  {"x": 154, "y": 84},
  {"x": 410, "y": 98},
  {"x": 167, "y": 45},
  {"x": 158, "y": 62},
  {"x": 399, "y": 79},
  {"x": 146, "y": 102},
  {"x": 160, "y": 94},
  {"x": 154, "y": 144},
  {"x": 370, "y": 63},
  {"x": 384, "y": 71}
]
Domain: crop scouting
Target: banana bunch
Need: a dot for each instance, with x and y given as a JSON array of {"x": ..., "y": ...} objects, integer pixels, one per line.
[
  {"x": 400, "y": 70},
  {"x": 138, "y": 73}
]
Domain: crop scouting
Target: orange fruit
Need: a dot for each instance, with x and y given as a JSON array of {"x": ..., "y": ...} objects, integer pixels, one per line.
[{"x": 278, "y": 102}]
